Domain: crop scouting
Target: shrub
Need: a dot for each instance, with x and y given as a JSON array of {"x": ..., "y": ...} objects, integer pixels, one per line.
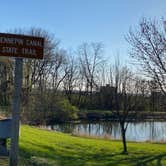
[
  {"x": 65, "y": 111},
  {"x": 45, "y": 109}
]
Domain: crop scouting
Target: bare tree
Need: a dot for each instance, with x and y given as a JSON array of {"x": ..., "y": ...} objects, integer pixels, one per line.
[
  {"x": 36, "y": 71},
  {"x": 6, "y": 80},
  {"x": 90, "y": 62},
  {"x": 126, "y": 97},
  {"x": 58, "y": 70},
  {"x": 148, "y": 44},
  {"x": 71, "y": 79}
]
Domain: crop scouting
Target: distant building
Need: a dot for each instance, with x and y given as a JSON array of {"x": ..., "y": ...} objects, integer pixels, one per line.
[{"x": 107, "y": 96}]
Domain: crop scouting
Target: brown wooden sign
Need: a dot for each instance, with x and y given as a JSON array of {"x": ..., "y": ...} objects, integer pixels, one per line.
[{"x": 13, "y": 45}]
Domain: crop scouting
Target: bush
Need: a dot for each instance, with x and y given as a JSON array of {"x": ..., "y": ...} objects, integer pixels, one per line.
[
  {"x": 45, "y": 109},
  {"x": 65, "y": 111}
]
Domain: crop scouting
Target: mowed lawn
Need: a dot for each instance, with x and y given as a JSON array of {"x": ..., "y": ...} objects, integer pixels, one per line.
[{"x": 41, "y": 147}]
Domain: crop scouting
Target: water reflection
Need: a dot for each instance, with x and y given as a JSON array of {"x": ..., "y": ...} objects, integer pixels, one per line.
[{"x": 142, "y": 131}]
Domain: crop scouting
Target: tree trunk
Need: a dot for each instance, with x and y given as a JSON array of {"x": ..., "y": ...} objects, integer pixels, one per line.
[{"x": 123, "y": 134}]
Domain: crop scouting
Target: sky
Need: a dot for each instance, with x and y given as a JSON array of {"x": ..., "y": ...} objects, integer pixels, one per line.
[{"x": 76, "y": 21}]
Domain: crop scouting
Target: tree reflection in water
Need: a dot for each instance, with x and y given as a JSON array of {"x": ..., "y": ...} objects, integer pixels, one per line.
[{"x": 142, "y": 131}]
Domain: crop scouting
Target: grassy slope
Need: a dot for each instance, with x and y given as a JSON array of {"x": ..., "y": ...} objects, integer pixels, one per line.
[{"x": 40, "y": 147}]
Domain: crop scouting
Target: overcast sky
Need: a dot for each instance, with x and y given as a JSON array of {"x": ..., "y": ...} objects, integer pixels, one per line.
[{"x": 77, "y": 21}]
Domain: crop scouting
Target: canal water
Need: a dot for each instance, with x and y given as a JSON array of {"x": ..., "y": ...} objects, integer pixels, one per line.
[{"x": 142, "y": 131}]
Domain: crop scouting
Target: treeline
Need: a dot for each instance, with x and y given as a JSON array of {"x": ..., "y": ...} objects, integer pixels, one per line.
[{"x": 64, "y": 82}]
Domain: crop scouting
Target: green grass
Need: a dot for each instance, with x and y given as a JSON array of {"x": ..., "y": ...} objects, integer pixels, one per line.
[{"x": 41, "y": 147}]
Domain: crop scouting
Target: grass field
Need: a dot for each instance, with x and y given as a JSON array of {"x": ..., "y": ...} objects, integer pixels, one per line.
[{"x": 46, "y": 148}]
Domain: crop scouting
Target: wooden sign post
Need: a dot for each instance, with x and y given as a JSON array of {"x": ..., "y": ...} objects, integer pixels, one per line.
[
  {"x": 19, "y": 46},
  {"x": 16, "y": 112}
]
